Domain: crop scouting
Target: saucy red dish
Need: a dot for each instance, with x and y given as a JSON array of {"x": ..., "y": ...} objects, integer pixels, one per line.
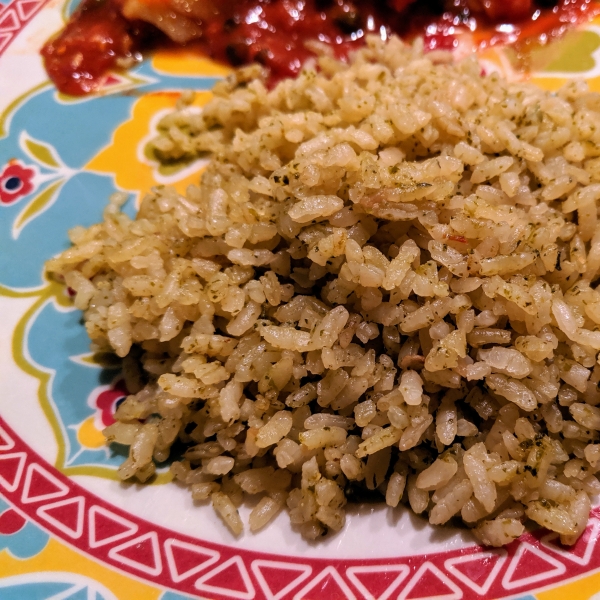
[{"x": 108, "y": 34}]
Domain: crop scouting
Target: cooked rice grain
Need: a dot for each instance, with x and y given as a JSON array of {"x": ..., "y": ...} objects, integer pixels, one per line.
[{"x": 386, "y": 279}]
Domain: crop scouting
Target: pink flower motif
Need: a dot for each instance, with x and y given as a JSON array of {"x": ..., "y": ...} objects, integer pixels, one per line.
[
  {"x": 106, "y": 402},
  {"x": 16, "y": 181}
]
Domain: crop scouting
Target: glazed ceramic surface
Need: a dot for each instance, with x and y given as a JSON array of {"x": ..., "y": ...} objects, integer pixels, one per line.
[{"x": 68, "y": 528}]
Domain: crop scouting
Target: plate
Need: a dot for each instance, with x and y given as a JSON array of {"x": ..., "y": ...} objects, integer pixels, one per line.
[{"x": 68, "y": 528}]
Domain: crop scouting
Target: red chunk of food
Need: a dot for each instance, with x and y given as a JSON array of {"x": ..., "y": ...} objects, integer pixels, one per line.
[
  {"x": 92, "y": 43},
  {"x": 104, "y": 34},
  {"x": 457, "y": 238},
  {"x": 503, "y": 10}
]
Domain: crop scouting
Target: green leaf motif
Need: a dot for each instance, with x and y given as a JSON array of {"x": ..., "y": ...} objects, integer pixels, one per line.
[
  {"x": 577, "y": 54},
  {"x": 573, "y": 53},
  {"x": 42, "y": 153},
  {"x": 38, "y": 205},
  {"x": 12, "y": 108}
]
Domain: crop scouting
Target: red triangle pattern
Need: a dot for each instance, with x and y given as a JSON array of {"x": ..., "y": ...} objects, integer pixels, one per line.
[
  {"x": 9, "y": 21},
  {"x": 278, "y": 577},
  {"x": 477, "y": 570},
  {"x": 581, "y": 552},
  {"x": 326, "y": 585},
  {"x": 27, "y": 8},
  {"x": 579, "y": 549},
  {"x": 141, "y": 553},
  {"x": 11, "y": 469},
  {"x": 66, "y": 515},
  {"x": 531, "y": 565},
  {"x": 40, "y": 485},
  {"x": 378, "y": 583},
  {"x": 429, "y": 582},
  {"x": 429, "y": 585},
  {"x": 106, "y": 527},
  {"x": 229, "y": 578},
  {"x": 375, "y": 583},
  {"x": 186, "y": 559},
  {"x": 6, "y": 442}
]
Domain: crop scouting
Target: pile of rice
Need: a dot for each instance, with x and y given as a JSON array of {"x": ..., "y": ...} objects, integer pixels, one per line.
[{"x": 382, "y": 284}]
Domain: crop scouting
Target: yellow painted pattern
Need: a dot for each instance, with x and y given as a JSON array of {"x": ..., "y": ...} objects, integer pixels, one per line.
[
  {"x": 89, "y": 436},
  {"x": 57, "y": 556},
  {"x": 184, "y": 62},
  {"x": 55, "y": 293},
  {"x": 124, "y": 157},
  {"x": 581, "y": 589},
  {"x": 554, "y": 83},
  {"x": 549, "y": 83}
]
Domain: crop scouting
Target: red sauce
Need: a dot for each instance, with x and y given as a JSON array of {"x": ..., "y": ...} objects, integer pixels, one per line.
[
  {"x": 531, "y": 23},
  {"x": 273, "y": 32},
  {"x": 94, "y": 41}
]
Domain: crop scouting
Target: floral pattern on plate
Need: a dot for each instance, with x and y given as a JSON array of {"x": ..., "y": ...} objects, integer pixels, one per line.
[{"x": 60, "y": 158}]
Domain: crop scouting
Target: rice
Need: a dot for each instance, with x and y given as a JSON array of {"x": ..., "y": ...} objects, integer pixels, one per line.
[{"x": 385, "y": 279}]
